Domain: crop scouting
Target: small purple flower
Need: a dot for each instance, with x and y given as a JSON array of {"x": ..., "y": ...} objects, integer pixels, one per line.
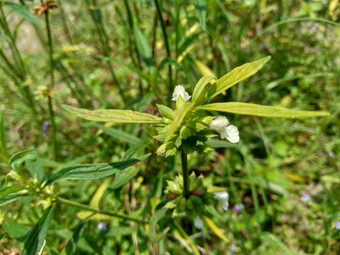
[
  {"x": 66, "y": 152},
  {"x": 102, "y": 226},
  {"x": 262, "y": 46},
  {"x": 337, "y": 224},
  {"x": 331, "y": 154},
  {"x": 238, "y": 207},
  {"x": 226, "y": 38},
  {"x": 305, "y": 197},
  {"x": 276, "y": 31},
  {"x": 134, "y": 75},
  {"x": 31, "y": 228},
  {"x": 233, "y": 248},
  {"x": 15, "y": 139},
  {"x": 45, "y": 125}
]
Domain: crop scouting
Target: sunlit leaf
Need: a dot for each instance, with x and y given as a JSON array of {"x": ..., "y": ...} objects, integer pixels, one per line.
[
  {"x": 236, "y": 75},
  {"x": 261, "y": 110},
  {"x": 200, "y": 91},
  {"x": 119, "y": 116}
]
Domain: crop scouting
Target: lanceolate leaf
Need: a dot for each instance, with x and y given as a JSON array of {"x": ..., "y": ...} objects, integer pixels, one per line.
[
  {"x": 236, "y": 75},
  {"x": 199, "y": 94},
  {"x": 261, "y": 110},
  {"x": 143, "y": 46},
  {"x": 35, "y": 241},
  {"x": 201, "y": 11},
  {"x": 92, "y": 171},
  {"x": 9, "y": 190},
  {"x": 11, "y": 198},
  {"x": 119, "y": 116}
]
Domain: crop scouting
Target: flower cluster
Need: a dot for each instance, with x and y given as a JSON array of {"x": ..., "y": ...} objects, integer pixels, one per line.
[{"x": 189, "y": 128}]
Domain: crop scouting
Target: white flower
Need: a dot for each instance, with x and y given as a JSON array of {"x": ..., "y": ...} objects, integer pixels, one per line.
[
  {"x": 223, "y": 197},
  {"x": 180, "y": 91},
  {"x": 218, "y": 123},
  {"x": 198, "y": 222},
  {"x": 229, "y": 132}
]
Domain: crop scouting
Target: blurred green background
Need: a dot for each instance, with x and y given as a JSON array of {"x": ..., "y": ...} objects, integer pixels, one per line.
[{"x": 283, "y": 178}]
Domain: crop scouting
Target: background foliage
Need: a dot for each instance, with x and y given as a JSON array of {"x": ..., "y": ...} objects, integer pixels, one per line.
[{"x": 283, "y": 177}]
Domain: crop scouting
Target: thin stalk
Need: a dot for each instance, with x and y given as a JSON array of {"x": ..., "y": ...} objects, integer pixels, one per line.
[
  {"x": 185, "y": 173},
  {"x": 165, "y": 36},
  {"x": 131, "y": 47},
  {"x": 105, "y": 46},
  {"x": 106, "y": 212},
  {"x": 50, "y": 103},
  {"x": 66, "y": 27}
]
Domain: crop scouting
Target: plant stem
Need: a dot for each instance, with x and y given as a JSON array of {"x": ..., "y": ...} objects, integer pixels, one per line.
[
  {"x": 185, "y": 172},
  {"x": 88, "y": 208},
  {"x": 104, "y": 40},
  {"x": 49, "y": 96},
  {"x": 166, "y": 44}
]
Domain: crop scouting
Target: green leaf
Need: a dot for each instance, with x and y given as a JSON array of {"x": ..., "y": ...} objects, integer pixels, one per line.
[
  {"x": 15, "y": 230},
  {"x": 118, "y": 134},
  {"x": 24, "y": 12},
  {"x": 200, "y": 91},
  {"x": 178, "y": 120},
  {"x": 34, "y": 166},
  {"x": 35, "y": 241},
  {"x": 157, "y": 216},
  {"x": 71, "y": 246},
  {"x": 3, "y": 143},
  {"x": 201, "y": 11},
  {"x": 123, "y": 177},
  {"x": 92, "y": 171},
  {"x": 143, "y": 46},
  {"x": 119, "y": 116},
  {"x": 9, "y": 190},
  {"x": 11, "y": 198},
  {"x": 236, "y": 75},
  {"x": 261, "y": 110},
  {"x": 166, "y": 112}
]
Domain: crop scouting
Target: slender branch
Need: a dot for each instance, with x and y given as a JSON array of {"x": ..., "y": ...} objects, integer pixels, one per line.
[
  {"x": 106, "y": 212},
  {"x": 166, "y": 44},
  {"x": 185, "y": 172},
  {"x": 49, "y": 96}
]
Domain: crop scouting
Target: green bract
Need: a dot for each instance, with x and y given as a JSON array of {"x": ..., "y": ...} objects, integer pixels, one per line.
[
  {"x": 196, "y": 203},
  {"x": 187, "y": 127}
]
